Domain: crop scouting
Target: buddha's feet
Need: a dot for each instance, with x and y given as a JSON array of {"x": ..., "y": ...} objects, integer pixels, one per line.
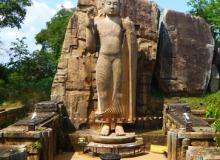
[
  {"x": 99, "y": 114},
  {"x": 105, "y": 131},
  {"x": 119, "y": 130}
]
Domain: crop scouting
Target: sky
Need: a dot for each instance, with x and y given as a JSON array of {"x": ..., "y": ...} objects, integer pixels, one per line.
[{"x": 42, "y": 11}]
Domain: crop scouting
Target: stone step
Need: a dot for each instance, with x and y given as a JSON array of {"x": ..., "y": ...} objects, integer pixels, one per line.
[{"x": 148, "y": 138}]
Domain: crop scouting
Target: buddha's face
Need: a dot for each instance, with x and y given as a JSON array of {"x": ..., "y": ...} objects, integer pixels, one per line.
[{"x": 112, "y": 7}]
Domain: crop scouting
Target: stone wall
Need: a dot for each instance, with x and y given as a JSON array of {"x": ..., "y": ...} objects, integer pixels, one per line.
[
  {"x": 206, "y": 153},
  {"x": 9, "y": 115},
  {"x": 40, "y": 143},
  {"x": 75, "y": 82},
  {"x": 180, "y": 141}
]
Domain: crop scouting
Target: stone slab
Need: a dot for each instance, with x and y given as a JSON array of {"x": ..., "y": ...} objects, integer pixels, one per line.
[
  {"x": 18, "y": 135},
  {"x": 179, "y": 107},
  {"x": 47, "y": 106},
  {"x": 39, "y": 119},
  {"x": 196, "y": 121},
  {"x": 204, "y": 153},
  {"x": 113, "y": 139},
  {"x": 197, "y": 135},
  {"x": 176, "y": 111},
  {"x": 13, "y": 152},
  {"x": 120, "y": 149}
]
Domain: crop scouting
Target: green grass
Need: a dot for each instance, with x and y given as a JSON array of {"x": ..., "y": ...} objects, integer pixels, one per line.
[
  {"x": 203, "y": 102},
  {"x": 156, "y": 132},
  {"x": 210, "y": 102},
  {"x": 11, "y": 104}
]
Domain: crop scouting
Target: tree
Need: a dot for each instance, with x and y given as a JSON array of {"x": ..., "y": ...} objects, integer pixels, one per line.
[
  {"x": 51, "y": 38},
  {"x": 12, "y": 12},
  {"x": 3, "y": 81},
  {"x": 210, "y": 11},
  {"x": 30, "y": 75},
  {"x": 18, "y": 52}
]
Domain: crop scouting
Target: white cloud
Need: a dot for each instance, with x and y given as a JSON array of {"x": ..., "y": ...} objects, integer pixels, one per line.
[
  {"x": 37, "y": 16},
  {"x": 39, "y": 12},
  {"x": 66, "y": 4}
]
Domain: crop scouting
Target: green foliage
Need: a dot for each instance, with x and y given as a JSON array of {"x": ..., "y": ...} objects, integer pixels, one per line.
[
  {"x": 12, "y": 12},
  {"x": 210, "y": 11},
  {"x": 212, "y": 112},
  {"x": 216, "y": 127},
  {"x": 18, "y": 53},
  {"x": 3, "y": 81},
  {"x": 211, "y": 102},
  {"x": 52, "y": 37},
  {"x": 11, "y": 104},
  {"x": 29, "y": 76},
  {"x": 26, "y": 75},
  {"x": 36, "y": 146}
]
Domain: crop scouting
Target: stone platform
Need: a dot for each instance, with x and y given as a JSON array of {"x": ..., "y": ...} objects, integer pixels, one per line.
[
  {"x": 113, "y": 139},
  {"x": 125, "y": 149},
  {"x": 39, "y": 119},
  {"x": 153, "y": 137}
]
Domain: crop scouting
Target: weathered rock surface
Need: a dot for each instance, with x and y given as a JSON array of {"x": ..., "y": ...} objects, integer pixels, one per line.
[
  {"x": 214, "y": 81},
  {"x": 46, "y": 106},
  {"x": 9, "y": 152},
  {"x": 185, "y": 54},
  {"x": 185, "y": 58},
  {"x": 210, "y": 153},
  {"x": 216, "y": 59},
  {"x": 75, "y": 83}
]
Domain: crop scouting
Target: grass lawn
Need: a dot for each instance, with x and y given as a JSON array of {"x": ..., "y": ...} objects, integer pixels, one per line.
[{"x": 10, "y": 104}]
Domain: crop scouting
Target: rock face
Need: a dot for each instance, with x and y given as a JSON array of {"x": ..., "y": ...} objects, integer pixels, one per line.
[
  {"x": 184, "y": 59},
  {"x": 214, "y": 81},
  {"x": 75, "y": 83},
  {"x": 206, "y": 153},
  {"x": 185, "y": 54}
]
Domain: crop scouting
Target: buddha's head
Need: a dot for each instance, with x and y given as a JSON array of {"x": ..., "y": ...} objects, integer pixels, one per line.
[{"x": 112, "y": 7}]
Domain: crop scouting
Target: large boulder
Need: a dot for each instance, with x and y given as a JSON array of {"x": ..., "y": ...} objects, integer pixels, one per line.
[
  {"x": 214, "y": 81},
  {"x": 185, "y": 54}
]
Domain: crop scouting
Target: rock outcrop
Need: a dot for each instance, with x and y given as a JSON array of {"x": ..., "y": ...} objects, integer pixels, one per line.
[
  {"x": 214, "y": 81},
  {"x": 184, "y": 58},
  {"x": 185, "y": 54},
  {"x": 75, "y": 83}
]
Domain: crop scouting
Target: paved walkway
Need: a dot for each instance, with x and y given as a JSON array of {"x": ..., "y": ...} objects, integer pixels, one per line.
[{"x": 80, "y": 156}]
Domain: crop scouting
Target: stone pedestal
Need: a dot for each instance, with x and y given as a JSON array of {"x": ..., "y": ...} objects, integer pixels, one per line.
[{"x": 113, "y": 139}]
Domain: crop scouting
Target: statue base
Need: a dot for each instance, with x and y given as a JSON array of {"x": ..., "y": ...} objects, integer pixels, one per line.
[
  {"x": 124, "y": 150},
  {"x": 113, "y": 139}
]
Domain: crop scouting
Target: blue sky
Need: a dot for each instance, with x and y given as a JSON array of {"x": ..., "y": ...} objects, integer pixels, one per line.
[
  {"x": 42, "y": 10},
  {"x": 178, "y": 5}
]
